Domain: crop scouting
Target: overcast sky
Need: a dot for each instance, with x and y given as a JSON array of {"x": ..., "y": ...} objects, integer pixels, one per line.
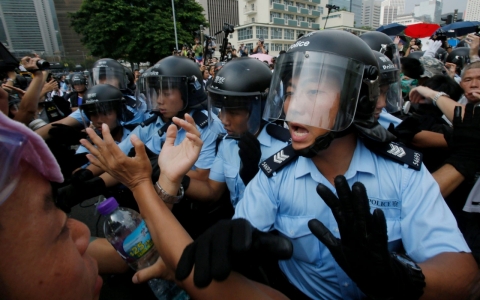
[{"x": 448, "y": 5}]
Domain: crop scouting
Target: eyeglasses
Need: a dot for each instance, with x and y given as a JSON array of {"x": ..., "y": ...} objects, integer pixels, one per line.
[{"x": 12, "y": 145}]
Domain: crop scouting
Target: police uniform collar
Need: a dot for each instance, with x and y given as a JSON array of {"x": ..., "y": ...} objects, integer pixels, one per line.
[
  {"x": 264, "y": 138},
  {"x": 362, "y": 161}
]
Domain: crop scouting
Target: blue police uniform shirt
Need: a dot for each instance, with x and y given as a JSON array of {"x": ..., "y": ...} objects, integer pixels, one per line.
[
  {"x": 416, "y": 215},
  {"x": 153, "y": 141},
  {"x": 227, "y": 163},
  {"x": 385, "y": 119},
  {"x": 138, "y": 114}
]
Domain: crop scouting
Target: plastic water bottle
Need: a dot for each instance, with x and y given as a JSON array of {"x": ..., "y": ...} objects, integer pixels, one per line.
[{"x": 127, "y": 232}]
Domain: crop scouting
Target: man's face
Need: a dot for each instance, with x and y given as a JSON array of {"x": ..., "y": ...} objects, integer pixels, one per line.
[
  {"x": 169, "y": 102},
  {"x": 382, "y": 101},
  {"x": 205, "y": 74},
  {"x": 214, "y": 60},
  {"x": 471, "y": 85},
  {"x": 111, "y": 81},
  {"x": 109, "y": 118},
  {"x": 79, "y": 87},
  {"x": 43, "y": 251},
  {"x": 310, "y": 102},
  {"x": 235, "y": 121}
]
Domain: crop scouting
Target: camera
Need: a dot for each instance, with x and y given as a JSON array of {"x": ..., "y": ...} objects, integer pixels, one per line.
[
  {"x": 43, "y": 64},
  {"x": 228, "y": 28}
]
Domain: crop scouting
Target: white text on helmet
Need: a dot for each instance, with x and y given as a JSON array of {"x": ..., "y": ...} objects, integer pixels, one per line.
[{"x": 299, "y": 44}]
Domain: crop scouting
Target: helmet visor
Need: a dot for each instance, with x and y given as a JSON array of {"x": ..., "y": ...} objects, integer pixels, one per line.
[
  {"x": 315, "y": 89},
  {"x": 108, "y": 75},
  {"x": 239, "y": 114},
  {"x": 97, "y": 113},
  {"x": 168, "y": 95},
  {"x": 390, "y": 88}
]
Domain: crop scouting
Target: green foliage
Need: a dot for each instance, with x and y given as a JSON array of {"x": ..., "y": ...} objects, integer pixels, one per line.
[{"x": 136, "y": 30}]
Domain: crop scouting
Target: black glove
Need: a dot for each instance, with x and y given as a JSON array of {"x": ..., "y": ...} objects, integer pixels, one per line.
[
  {"x": 250, "y": 154},
  {"x": 406, "y": 130},
  {"x": 73, "y": 194},
  {"x": 465, "y": 141},
  {"x": 362, "y": 251},
  {"x": 68, "y": 135},
  {"x": 226, "y": 243}
]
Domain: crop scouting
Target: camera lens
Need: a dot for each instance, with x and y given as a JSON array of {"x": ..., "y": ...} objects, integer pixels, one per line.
[{"x": 43, "y": 64}]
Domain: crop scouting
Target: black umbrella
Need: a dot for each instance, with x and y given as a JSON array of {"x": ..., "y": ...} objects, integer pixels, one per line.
[
  {"x": 462, "y": 28},
  {"x": 7, "y": 61},
  {"x": 391, "y": 29}
]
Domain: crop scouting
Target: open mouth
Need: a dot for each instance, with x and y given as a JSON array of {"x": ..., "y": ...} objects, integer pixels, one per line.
[{"x": 298, "y": 132}]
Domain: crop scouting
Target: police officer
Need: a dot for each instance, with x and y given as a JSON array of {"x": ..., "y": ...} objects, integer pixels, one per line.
[
  {"x": 104, "y": 71},
  {"x": 247, "y": 141},
  {"x": 79, "y": 84},
  {"x": 329, "y": 80},
  {"x": 104, "y": 104},
  {"x": 173, "y": 87}
]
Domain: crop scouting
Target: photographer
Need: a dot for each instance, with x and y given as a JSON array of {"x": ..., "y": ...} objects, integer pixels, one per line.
[
  {"x": 259, "y": 48},
  {"x": 243, "y": 50},
  {"x": 414, "y": 45},
  {"x": 211, "y": 47}
]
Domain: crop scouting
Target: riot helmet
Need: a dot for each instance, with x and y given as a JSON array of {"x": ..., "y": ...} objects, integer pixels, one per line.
[
  {"x": 459, "y": 56},
  {"x": 390, "y": 95},
  {"x": 109, "y": 71},
  {"x": 171, "y": 77},
  {"x": 379, "y": 41},
  {"x": 78, "y": 82},
  {"x": 103, "y": 103},
  {"x": 441, "y": 54},
  {"x": 328, "y": 80},
  {"x": 244, "y": 97},
  {"x": 416, "y": 54}
]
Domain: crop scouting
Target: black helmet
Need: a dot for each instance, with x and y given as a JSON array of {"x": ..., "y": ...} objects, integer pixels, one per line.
[
  {"x": 175, "y": 72},
  {"x": 379, "y": 41},
  {"x": 441, "y": 54},
  {"x": 227, "y": 92},
  {"x": 389, "y": 82},
  {"x": 78, "y": 79},
  {"x": 102, "y": 99},
  {"x": 459, "y": 56},
  {"x": 110, "y": 71},
  {"x": 416, "y": 54},
  {"x": 325, "y": 65}
]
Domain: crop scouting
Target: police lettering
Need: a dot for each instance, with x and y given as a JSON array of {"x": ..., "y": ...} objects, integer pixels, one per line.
[
  {"x": 385, "y": 67},
  {"x": 266, "y": 167},
  {"x": 416, "y": 159},
  {"x": 299, "y": 44},
  {"x": 379, "y": 203}
]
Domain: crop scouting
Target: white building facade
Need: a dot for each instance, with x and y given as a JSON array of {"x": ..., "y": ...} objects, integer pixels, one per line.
[
  {"x": 390, "y": 9},
  {"x": 371, "y": 10},
  {"x": 430, "y": 11},
  {"x": 472, "y": 12}
]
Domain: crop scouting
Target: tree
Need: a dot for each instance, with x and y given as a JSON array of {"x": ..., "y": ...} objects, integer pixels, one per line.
[{"x": 136, "y": 30}]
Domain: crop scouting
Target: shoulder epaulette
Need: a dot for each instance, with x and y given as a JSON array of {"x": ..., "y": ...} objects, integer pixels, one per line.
[
  {"x": 164, "y": 128},
  {"x": 277, "y": 161},
  {"x": 200, "y": 118},
  {"x": 130, "y": 101},
  {"x": 401, "y": 154},
  {"x": 278, "y": 132}
]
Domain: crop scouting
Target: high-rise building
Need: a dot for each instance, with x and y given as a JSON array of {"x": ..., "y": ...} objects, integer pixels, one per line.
[
  {"x": 430, "y": 11},
  {"x": 73, "y": 48},
  {"x": 390, "y": 9},
  {"x": 277, "y": 22},
  {"x": 371, "y": 10},
  {"x": 472, "y": 12},
  {"x": 354, "y": 6},
  {"x": 30, "y": 26}
]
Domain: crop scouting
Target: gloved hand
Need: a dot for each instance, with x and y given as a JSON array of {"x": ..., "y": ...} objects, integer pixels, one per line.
[
  {"x": 250, "y": 154},
  {"x": 226, "y": 243},
  {"x": 465, "y": 142},
  {"x": 405, "y": 131},
  {"x": 362, "y": 251},
  {"x": 431, "y": 48},
  {"x": 67, "y": 134},
  {"x": 73, "y": 194}
]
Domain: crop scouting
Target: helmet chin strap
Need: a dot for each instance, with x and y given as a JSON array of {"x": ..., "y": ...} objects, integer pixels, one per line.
[{"x": 322, "y": 142}]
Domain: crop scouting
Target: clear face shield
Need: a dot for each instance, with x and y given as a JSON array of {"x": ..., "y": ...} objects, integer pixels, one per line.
[
  {"x": 108, "y": 75},
  {"x": 315, "y": 89},
  {"x": 167, "y": 95},
  {"x": 12, "y": 145},
  {"x": 391, "y": 91},
  {"x": 94, "y": 114},
  {"x": 140, "y": 91},
  {"x": 238, "y": 114}
]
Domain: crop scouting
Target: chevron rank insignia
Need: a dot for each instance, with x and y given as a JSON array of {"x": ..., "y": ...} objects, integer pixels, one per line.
[
  {"x": 277, "y": 161},
  {"x": 402, "y": 155}
]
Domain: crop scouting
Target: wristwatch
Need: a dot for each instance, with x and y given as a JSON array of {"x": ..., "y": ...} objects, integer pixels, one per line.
[
  {"x": 167, "y": 198},
  {"x": 415, "y": 275},
  {"x": 437, "y": 96}
]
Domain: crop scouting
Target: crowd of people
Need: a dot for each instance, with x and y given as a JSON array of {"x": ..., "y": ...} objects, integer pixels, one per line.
[{"x": 342, "y": 169}]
